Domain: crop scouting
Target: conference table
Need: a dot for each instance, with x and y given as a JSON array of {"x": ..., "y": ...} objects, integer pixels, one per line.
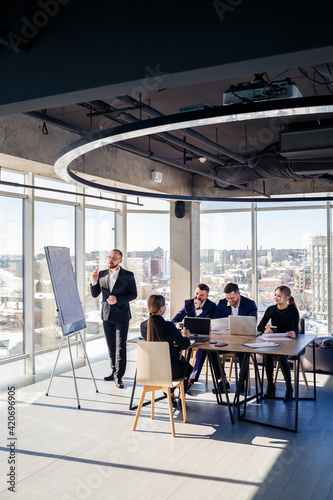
[
  {"x": 235, "y": 344},
  {"x": 238, "y": 344}
]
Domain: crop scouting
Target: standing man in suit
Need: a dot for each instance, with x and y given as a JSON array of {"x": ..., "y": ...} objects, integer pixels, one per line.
[
  {"x": 237, "y": 305},
  {"x": 200, "y": 306},
  {"x": 118, "y": 288}
]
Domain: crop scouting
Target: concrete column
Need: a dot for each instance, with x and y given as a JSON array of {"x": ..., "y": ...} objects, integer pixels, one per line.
[{"x": 184, "y": 254}]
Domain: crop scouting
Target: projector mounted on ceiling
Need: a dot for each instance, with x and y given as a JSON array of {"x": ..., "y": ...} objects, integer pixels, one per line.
[{"x": 260, "y": 90}]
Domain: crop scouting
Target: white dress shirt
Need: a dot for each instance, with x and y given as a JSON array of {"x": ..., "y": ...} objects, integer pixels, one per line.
[
  {"x": 113, "y": 278},
  {"x": 235, "y": 310}
]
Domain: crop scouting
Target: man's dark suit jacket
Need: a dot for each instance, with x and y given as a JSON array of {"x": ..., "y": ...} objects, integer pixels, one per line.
[
  {"x": 125, "y": 291},
  {"x": 247, "y": 307},
  {"x": 188, "y": 309}
]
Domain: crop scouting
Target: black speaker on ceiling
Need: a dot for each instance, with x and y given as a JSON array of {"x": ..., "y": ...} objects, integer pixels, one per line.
[{"x": 180, "y": 209}]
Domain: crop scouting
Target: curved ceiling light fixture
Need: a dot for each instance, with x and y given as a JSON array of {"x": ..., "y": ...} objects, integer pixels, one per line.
[{"x": 208, "y": 116}]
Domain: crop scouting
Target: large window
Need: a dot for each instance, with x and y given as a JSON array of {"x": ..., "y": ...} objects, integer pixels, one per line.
[
  {"x": 291, "y": 245},
  {"x": 148, "y": 255},
  {"x": 11, "y": 277},
  {"x": 292, "y": 250},
  {"x": 54, "y": 226},
  {"x": 100, "y": 237},
  {"x": 225, "y": 251}
]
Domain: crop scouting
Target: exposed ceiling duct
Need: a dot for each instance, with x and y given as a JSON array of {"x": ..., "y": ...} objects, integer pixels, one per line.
[{"x": 266, "y": 165}]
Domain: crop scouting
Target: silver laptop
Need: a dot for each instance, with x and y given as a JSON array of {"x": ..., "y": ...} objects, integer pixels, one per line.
[
  {"x": 243, "y": 325},
  {"x": 199, "y": 328}
]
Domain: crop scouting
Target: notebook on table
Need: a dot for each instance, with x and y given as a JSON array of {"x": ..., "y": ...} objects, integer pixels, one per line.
[
  {"x": 243, "y": 325},
  {"x": 199, "y": 328}
]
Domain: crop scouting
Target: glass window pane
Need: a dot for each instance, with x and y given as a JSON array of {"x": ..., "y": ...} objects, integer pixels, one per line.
[
  {"x": 285, "y": 204},
  {"x": 100, "y": 237},
  {"x": 225, "y": 252},
  {"x": 100, "y": 202},
  {"x": 148, "y": 256},
  {"x": 54, "y": 226},
  {"x": 11, "y": 176},
  {"x": 223, "y": 205},
  {"x": 148, "y": 204},
  {"x": 292, "y": 250},
  {"x": 11, "y": 277},
  {"x": 54, "y": 184}
]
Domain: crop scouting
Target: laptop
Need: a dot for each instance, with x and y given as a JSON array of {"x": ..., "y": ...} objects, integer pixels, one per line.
[
  {"x": 199, "y": 328},
  {"x": 243, "y": 325}
]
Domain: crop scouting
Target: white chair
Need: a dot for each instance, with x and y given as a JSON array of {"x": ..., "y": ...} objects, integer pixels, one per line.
[{"x": 154, "y": 373}]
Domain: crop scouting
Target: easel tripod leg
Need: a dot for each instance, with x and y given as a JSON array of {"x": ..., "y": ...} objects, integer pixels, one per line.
[
  {"x": 70, "y": 353},
  {"x": 55, "y": 365},
  {"x": 86, "y": 355}
]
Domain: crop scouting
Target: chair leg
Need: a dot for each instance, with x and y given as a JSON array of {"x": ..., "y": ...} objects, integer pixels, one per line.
[
  {"x": 152, "y": 404},
  {"x": 294, "y": 369},
  {"x": 182, "y": 397},
  {"x": 276, "y": 372},
  {"x": 304, "y": 376},
  {"x": 142, "y": 398},
  {"x": 171, "y": 412},
  {"x": 230, "y": 367},
  {"x": 253, "y": 364},
  {"x": 206, "y": 372}
]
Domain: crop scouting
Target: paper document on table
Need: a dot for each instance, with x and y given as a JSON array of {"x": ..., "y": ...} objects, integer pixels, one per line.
[
  {"x": 220, "y": 325},
  {"x": 260, "y": 345},
  {"x": 275, "y": 336}
]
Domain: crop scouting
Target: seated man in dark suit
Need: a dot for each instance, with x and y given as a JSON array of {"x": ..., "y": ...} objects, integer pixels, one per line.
[
  {"x": 233, "y": 304},
  {"x": 200, "y": 306}
]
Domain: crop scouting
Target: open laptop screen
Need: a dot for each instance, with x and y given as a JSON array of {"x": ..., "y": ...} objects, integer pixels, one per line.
[
  {"x": 243, "y": 325},
  {"x": 199, "y": 328}
]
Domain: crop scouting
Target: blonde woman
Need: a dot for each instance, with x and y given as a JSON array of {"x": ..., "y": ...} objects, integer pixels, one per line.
[{"x": 285, "y": 317}]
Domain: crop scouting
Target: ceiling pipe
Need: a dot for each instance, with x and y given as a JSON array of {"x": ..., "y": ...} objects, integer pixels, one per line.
[
  {"x": 128, "y": 147},
  {"x": 191, "y": 133},
  {"x": 148, "y": 154},
  {"x": 181, "y": 166},
  {"x": 170, "y": 138},
  {"x": 138, "y": 151},
  {"x": 58, "y": 123}
]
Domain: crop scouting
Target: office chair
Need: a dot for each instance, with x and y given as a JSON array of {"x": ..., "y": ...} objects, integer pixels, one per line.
[{"x": 154, "y": 373}]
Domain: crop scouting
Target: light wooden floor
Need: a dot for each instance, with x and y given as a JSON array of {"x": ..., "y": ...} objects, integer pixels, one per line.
[{"x": 64, "y": 453}]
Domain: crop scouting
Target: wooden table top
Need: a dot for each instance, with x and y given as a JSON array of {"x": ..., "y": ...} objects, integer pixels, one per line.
[{"x": 288, "y": 347}]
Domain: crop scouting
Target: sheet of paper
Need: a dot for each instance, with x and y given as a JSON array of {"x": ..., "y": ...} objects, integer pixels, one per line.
[
  {"x": 260, "y": 345},
  {"x": 220, "y": 325},
  {"x": 275, "y": 336}
]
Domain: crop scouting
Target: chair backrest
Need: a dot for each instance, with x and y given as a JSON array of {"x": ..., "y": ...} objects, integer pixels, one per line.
[
  {"x": 302, "y": 326},
  {"x": 153, "y": 364}
]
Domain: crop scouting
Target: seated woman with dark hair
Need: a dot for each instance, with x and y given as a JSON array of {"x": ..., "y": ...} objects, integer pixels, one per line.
[
  {"x": 156, "y": 329},
  {"x": 285, "y": 317}
]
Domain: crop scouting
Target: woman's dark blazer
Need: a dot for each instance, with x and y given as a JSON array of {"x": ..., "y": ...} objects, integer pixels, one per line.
[{"x": 169, "y": 333}]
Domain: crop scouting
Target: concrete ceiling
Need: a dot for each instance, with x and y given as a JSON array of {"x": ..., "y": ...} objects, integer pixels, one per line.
[{"x": 87, "y": 69}]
